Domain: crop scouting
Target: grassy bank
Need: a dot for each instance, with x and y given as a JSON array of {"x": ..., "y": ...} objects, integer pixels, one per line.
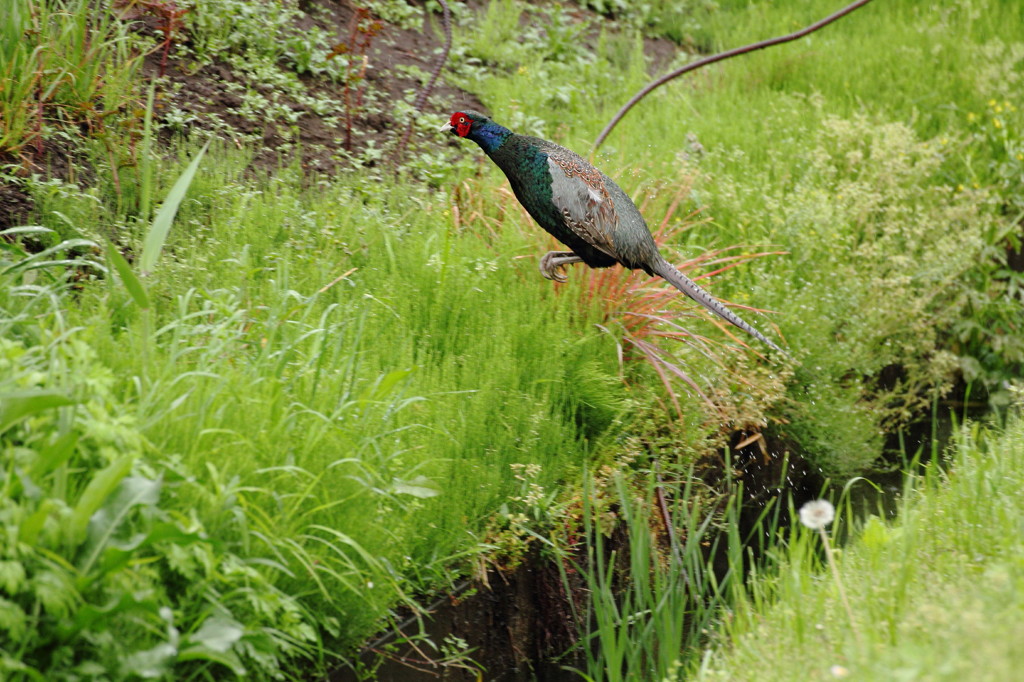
[
  {"x": 322, "y": 398},
  {"x": 935, "y": 594},
  {"x": 306, "y": 426},
  {"x": 881, "y": 155}
]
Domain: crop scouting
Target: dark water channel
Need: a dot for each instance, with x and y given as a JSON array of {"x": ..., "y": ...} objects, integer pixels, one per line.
[{"x": 517, "y": 623}]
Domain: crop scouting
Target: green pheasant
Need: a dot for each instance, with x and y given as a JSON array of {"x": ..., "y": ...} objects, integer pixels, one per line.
[{"x": 581, "y": 207}]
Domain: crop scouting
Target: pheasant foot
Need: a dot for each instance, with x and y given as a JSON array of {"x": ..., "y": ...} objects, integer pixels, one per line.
[{"x": 552, "y": 264}]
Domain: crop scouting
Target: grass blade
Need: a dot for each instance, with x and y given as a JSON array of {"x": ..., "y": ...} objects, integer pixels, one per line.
[
  {"x": 161, "y": 226},
  {"x": 131, "y": 282},
  {"x": 102, "y": 485},
  {"x": 17, "y": 405}
]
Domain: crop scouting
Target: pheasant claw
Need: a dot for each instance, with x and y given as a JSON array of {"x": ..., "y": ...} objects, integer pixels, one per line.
[{"x": 552, "y": 264}]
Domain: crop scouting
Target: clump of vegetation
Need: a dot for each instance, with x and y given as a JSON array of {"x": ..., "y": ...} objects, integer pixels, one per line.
[
  {"x": 790, "y": 624},
  {"x": 62, "y": 65},
  {"x": 321, "y": 396}
]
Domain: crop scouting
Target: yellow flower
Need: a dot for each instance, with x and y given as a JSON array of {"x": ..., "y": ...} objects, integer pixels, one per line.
[
  {"x": 998, "y": 109},
  {"x": 971, "y": 116},
  {"x": 991, "y": 102},
  {"x": 521, "y": 71},
  {"x": 960, "y": 188},
  {"x": 1020, "y": 157},
  {"x": 997, "y": 123}
]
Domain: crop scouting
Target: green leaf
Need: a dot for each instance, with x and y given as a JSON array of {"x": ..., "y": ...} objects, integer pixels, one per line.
[
  {"x": 151, "y": 663},
  {"x": 13, "y": 620},
  {"x": 16, "y": 405},
  {"x": 227, "y": 658},
  {"x": 88, "y": 615},
  {"x": 132, "y": 492},
  {"x": 383, "y": 386},
  {"x": 157, "y": 236},
  {"x": 31, "y": 527},
  {"x": 25, "y": 229},
  {"x": 117, "y": 554},
  {"x": 217, "y": 634},
  {"x": 128, "y": 278},
  {"x": 15, "y": 247},
  {"x": 37, "y": 260},
  {"x": 102, "y": 485},
  {"x": 213, "y": 642},
  {"x": 421, "y": 486},
  {"x": 12, "y": 576},
  {"x": 145, "y": 158},
  {"x": 53, "y": 455}
]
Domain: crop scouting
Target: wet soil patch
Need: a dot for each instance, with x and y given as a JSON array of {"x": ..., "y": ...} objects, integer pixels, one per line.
[
  {"x": 519, "y": 623},
  {"x": 15, "y": 205},
  {"x": 516, "y": 623},
  {"x": 210, "y": 97}
]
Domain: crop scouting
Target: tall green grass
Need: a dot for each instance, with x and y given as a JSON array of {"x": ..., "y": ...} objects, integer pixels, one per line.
[
  {"x": 652, "y": 591},
  {"x": 329, "y": 387},
  {"x": 877, "y": 152},
  {"x": 935, "y": 594},
  {"x": 60, "y": 60}
]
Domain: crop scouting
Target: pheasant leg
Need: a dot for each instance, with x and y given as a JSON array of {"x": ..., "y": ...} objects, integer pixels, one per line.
[{"x": 552, "y": 264}]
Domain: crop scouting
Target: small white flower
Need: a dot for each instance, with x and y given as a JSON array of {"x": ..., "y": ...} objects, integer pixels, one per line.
[
  {"x": 817, "y": 514},
  {"x": 839, "y": 671}
]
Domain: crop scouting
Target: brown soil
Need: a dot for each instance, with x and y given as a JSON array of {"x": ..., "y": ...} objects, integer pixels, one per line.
[
  {"x": 204, "y": 94},
  {"x": 515, "y": 624}
]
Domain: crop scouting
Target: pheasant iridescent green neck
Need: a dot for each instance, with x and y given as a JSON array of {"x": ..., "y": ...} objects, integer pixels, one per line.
[{"x": 489, "y": 135}]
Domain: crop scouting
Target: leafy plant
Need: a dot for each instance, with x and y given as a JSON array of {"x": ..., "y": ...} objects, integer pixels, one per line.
[
  {"x": 60, "y": 59},
  {"x": 651, "y": 589}
]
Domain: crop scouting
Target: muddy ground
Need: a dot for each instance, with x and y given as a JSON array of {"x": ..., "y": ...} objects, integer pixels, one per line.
[{"x": 205, "y": 96}]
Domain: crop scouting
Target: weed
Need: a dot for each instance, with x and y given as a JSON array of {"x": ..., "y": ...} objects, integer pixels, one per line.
[
  {"x": 59, "y": 60},
  {"x": 363, "y": 28},
  {"x": 945, "y": 617},
  {"x": 171, "y": 21},
  {"x": 649, "y": 597}
]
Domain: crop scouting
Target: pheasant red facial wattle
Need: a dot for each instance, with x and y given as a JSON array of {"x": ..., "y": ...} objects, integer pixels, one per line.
[
  {"x": 581, "y": 207},
  {"x": 462, "y": 124}
]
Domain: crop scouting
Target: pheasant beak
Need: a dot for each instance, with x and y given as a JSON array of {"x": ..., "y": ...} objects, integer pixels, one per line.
[{"x": 446, "y": 127}]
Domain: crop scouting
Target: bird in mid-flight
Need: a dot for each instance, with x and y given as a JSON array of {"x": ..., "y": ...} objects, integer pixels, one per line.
[{"x": 581, "y": 207}]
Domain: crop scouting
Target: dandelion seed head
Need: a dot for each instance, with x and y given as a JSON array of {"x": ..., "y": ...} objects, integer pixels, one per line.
[{"x": 817, "y": 514}]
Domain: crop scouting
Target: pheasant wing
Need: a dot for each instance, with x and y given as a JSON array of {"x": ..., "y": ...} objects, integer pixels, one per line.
[{"x": 578, "y": 191}]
